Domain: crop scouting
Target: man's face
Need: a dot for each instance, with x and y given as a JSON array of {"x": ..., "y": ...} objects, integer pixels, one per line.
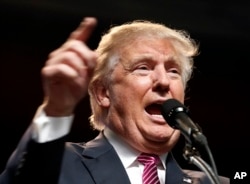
[{"x": 147, "y": 75}]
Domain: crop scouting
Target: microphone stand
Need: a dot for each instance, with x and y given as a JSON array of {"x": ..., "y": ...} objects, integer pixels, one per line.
[{"x": 192, "y": 155}]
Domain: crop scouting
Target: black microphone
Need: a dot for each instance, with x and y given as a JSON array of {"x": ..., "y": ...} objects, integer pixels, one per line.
[{"x": 176, "y": 115}]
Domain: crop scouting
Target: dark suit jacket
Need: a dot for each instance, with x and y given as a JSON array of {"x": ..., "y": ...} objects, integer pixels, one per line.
[{"x": 94, "y": 162}]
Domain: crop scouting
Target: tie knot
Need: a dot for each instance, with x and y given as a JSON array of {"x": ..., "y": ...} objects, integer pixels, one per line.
[{"x": 147, "y": 159}]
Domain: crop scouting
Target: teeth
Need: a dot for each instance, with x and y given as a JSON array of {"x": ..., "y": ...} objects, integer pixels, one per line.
[{"x": 157, "y": 115}]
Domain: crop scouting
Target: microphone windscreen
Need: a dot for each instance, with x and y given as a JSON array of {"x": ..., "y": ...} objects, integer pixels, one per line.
[
  {"x": 170, "y": 104},
  {"x": 170, "y": 108}
]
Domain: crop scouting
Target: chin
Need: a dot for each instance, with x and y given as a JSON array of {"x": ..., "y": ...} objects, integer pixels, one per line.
[
  {"x": 166, "y": 137},
  {"x": 164, "y": 131}
]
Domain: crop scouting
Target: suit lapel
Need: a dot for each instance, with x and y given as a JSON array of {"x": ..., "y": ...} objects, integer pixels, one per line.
[
  {"x": 103, "y": 163},
  {"x": 105, "y": 167},
  {"x": 174, "y": 174}
]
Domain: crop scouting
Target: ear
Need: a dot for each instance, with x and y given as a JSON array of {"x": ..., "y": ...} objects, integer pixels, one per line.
[{"x": 102, "y": 95}]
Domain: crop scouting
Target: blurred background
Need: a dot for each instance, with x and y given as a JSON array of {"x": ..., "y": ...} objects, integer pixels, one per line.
[{"x": 217, "y": 95}]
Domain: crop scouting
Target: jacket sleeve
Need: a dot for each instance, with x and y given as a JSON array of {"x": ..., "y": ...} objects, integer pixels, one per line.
[{"x": 34, "y": 162}]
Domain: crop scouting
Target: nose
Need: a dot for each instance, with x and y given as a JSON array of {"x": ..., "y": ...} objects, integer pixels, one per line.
[{"x": 161, "y": 81}]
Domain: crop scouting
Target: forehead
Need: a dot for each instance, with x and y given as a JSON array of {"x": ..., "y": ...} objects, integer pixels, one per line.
[{"x": 149, "y": 48}]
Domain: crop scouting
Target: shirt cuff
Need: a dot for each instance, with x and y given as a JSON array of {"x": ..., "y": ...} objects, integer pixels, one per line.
[{"x": 48, "y": 128}]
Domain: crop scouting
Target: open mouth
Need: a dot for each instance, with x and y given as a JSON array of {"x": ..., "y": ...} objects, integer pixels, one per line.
[{"x": 154, "y": 110}]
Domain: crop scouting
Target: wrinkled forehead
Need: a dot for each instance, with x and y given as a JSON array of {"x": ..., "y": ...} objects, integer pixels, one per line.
[{"x": 144, "y": 48}]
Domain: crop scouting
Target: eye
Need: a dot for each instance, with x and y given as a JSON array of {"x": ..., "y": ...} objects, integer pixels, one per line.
[
  {"x": 174, "y": 70},
  {"x": 143, "y": 67},
  {"x": 174, "y": 73}
]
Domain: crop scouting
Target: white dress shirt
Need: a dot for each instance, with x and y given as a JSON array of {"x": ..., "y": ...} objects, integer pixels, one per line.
[
  {"x": 50, "y": 128},
  {"x": 129, "y": 156}
]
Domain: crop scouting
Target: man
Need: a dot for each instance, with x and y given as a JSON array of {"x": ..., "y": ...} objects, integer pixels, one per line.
[{"x": 136, "y": 67}]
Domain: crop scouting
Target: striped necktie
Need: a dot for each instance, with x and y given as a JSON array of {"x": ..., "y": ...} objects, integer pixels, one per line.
[{"x": 150, "y": 162}]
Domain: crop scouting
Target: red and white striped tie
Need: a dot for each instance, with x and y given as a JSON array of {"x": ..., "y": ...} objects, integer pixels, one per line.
[{"x": 150, "y": 162}]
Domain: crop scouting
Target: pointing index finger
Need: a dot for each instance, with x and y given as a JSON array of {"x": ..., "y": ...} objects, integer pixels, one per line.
[{"x": 84, "y": 30}]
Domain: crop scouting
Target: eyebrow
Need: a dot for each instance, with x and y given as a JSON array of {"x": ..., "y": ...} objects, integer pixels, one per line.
[
  {"x": 169, "y": 60},
  {"x": 151, "y": 58}
]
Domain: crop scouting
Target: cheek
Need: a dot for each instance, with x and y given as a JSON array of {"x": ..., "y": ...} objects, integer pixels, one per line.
[
  {"x": 178, "y": 91},
  {"x": 122, "y": 97},
  {"x": 132, "y": 87}
]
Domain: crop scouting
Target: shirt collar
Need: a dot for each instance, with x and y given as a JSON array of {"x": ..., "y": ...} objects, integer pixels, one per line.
[{"x": 126, "y": 153}]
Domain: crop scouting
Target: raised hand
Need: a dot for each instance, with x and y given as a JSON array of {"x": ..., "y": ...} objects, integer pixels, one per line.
[{"x": 68, "y": 70}]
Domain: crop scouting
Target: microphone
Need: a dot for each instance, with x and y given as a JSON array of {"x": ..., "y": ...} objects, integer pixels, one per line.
[{"x": 176, "y": 115}]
